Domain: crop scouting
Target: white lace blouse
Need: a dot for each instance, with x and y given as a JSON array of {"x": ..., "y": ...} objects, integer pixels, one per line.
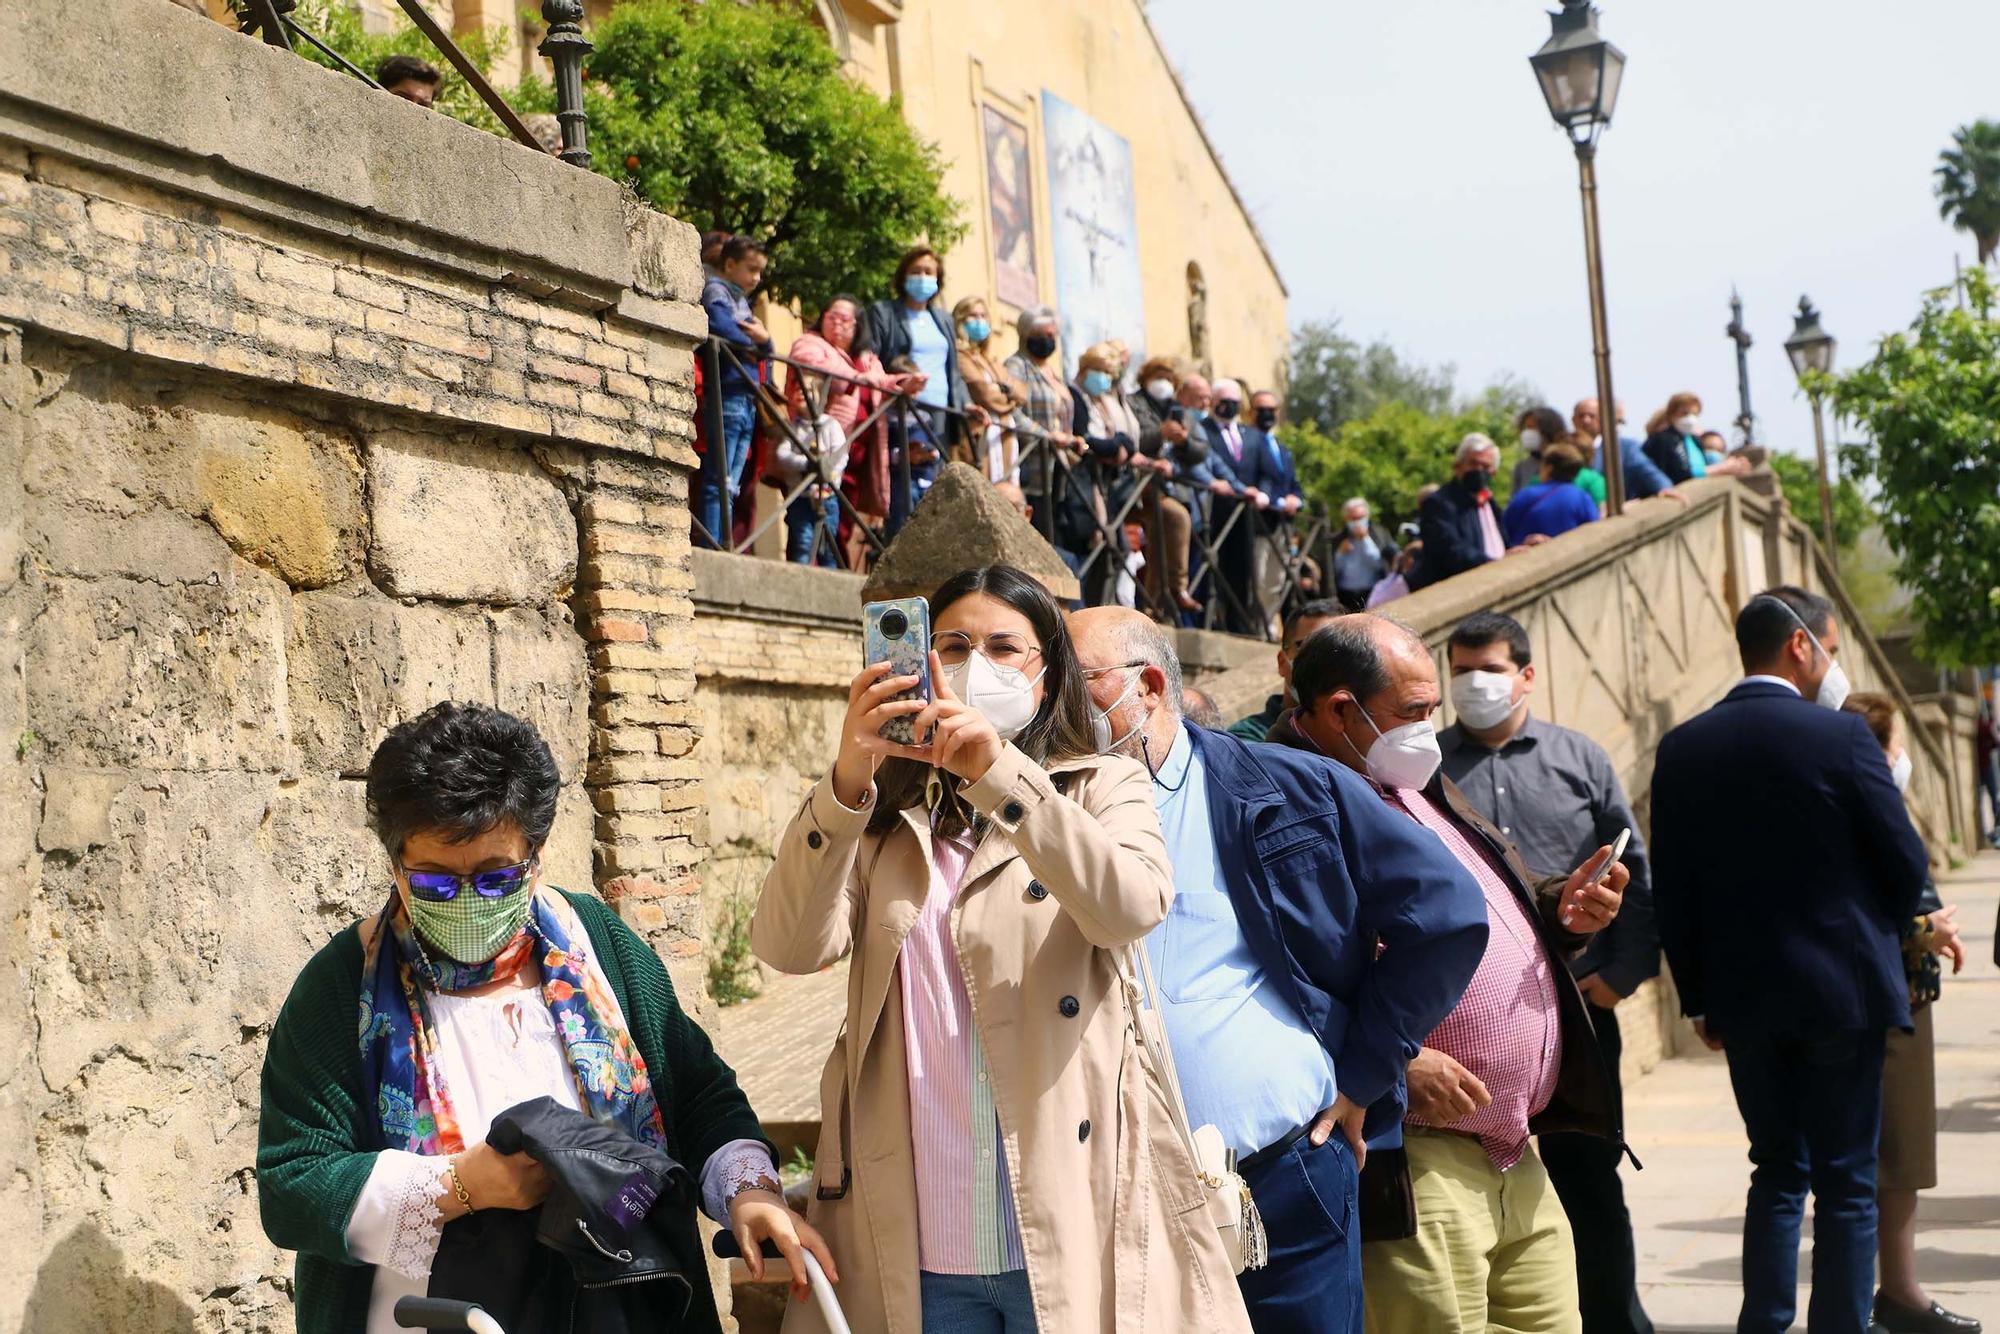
[{"x": 496, "y": 1050}]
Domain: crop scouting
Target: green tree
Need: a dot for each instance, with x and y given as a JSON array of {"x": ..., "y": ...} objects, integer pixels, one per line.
[
  {"x": 1335, "y": 379},
  {"x": 1968, "y": 184},
  {"x": 1801, "y": 482},
  {"x": 1929, "y": 401},
  {"x": 740, "y": 117},
  {"x": 1386, "y": 456}
]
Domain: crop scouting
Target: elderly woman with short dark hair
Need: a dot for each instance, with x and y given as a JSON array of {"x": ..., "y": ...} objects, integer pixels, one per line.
[{"x": 475, "y": 988}]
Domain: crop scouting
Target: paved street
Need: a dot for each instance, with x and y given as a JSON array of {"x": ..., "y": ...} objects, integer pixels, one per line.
[
  {"x": 1688, "y": 1204},
  {"x": 778, "y": 1041}
]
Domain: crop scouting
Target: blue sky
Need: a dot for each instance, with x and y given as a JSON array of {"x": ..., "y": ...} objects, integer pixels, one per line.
[{"x": 1400, "y": 161}]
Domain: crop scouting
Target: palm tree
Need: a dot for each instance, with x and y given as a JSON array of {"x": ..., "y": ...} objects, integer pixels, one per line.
[{"x": 1968, "y": 184}]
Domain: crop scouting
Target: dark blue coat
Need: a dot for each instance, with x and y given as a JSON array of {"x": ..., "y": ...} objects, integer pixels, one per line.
[
  {"x": 1784, "y": 864},
  {"x": 1259, "y": 466},
  {"x": 1453, "y": 543},
  {"x": 1319, "y": 869}
]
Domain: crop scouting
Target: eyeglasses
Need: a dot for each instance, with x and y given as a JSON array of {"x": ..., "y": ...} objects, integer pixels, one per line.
[
  {"x": 443, "y": 886},
  {"x": 1002, "y": 650},
  {"x": 1093, "y": 673}
]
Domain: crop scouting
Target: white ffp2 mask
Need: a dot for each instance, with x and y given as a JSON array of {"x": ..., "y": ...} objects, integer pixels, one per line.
[
  {"x": 1482, "y": 699},
  {"x": 1403, "y": 756},
  {"x": 1004, "y": 695}
]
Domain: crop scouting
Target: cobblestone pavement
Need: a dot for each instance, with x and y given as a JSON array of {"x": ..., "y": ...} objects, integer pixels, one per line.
[
  {"x": 1687, "y": 1206},
  {"x": 778, "y": 1041}
]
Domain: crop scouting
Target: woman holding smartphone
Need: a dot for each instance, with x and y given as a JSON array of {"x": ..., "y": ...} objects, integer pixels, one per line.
[{"x": 993, "y": 1156}]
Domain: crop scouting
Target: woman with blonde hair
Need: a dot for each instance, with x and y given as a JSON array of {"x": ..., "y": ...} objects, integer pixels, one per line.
[
  {"x": 990, "y": 385},
  {"x": 994, "y": 1153}
]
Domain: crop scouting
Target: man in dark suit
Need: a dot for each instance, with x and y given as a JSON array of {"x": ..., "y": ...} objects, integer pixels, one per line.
[
  {"x": 1783, "y": 863},
  {"x": 1459, "y": 525},
  {"x": 1286, "y": 1020},
  {"x": 1240, "y": 455}
]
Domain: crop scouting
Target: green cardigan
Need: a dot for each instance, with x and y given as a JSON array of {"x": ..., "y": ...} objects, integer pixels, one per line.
[{"x": 311, "y": 1163}]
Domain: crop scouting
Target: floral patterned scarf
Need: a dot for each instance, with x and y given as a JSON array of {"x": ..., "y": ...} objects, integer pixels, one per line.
[{"x": 399, "y": 1043}]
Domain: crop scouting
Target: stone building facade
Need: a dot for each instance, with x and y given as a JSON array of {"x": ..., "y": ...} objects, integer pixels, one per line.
[{"x": 293, "y": 443}]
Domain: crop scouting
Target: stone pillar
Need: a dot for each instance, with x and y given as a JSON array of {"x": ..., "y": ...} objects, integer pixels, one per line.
[{"x": 635, "y": 607}]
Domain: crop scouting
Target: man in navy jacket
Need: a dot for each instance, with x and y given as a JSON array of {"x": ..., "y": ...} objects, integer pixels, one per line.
[
  {"x": 1241, "y": 455},
  {"x": 1784, "y": 862},
  {"x": 1286, "y": 1022},
  {"x": 1460, "y": 528}
]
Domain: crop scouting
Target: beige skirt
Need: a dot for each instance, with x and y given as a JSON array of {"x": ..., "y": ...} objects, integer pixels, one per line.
[{"x": 1909, "y": 1109}]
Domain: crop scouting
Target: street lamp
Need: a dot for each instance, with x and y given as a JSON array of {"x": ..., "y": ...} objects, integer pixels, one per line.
[
  {"x": 1580, "y": 72},
  {"x": 1811, "y": 349}
]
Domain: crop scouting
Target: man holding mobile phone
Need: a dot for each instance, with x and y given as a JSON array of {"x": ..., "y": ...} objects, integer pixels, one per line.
[{"x": 1554, "y": 793}]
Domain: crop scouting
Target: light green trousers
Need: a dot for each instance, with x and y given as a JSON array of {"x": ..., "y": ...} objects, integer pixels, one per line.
[{"x": 1493, "y": 1249}]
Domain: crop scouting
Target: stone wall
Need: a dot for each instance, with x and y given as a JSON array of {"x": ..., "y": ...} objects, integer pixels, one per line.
[{"x": 293, "y": 443}]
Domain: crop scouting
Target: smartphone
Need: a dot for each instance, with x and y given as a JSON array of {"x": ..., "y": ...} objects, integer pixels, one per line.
[
  {"x": 899, "y": 633},
  {"x": 1602, "y": 869}
]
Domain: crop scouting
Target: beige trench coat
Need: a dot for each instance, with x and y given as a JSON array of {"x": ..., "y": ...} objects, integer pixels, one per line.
[{"x": 1111, "y": 1220}]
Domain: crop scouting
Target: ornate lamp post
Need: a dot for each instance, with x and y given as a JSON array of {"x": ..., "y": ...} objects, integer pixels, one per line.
[
  {"x": 1811, "y": 349},
  {"x": 1580, "y": 72},
  {"x": 566, "y": 46}
]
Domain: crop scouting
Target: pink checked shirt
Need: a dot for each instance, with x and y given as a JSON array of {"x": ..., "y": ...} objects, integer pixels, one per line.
[
  {"x": 965, "y": 1208},
  {"x": 1507, "y": 1027}
]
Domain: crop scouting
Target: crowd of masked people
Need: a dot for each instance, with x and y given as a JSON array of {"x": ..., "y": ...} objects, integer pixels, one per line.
[
  {"x": 1556, "y": 484},
  {"x": 1073, "y": 451},
  {"x": 1310, "y": 1024}
]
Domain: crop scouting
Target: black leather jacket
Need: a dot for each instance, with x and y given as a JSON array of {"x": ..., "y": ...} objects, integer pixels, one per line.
[{"x": 613, "y": 1250}]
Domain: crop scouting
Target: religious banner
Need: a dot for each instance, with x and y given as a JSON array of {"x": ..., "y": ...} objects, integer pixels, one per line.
[
  {"x": 1094, "y": 232},
  {"x": 1010, "y": 195}
]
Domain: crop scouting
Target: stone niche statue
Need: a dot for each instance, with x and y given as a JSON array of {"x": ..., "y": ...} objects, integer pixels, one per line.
[
  {"x": 964, "y": 522},
  {"x": 1197, "y": 316}
]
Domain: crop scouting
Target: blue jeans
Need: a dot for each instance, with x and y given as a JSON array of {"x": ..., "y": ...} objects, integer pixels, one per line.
[
  {"x": 1813, "y": 1109},
  {"x": 739, "y": 425},
  {"x": 803, "y": 540},
  {"x": 977, "y": 1303},
  {"x": 1313, "y": 1283}
]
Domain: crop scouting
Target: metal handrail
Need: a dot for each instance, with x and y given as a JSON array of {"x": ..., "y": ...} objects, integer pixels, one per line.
[
  {"x": 1148, "y": 486},
  {"x": 565, "y": 46}
]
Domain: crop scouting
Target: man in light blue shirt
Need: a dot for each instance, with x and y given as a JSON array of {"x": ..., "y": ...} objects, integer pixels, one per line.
[{"x": 1286, "y": 1023}]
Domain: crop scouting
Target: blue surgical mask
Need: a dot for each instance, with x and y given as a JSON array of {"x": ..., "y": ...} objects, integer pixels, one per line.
[
  {"x": 921, "y": 286},
  {"x": 1096, "y": 383},
  {"x": 977, "y": 331}
]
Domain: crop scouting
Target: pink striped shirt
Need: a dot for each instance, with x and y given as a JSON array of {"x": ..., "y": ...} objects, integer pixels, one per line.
[
  {"x": 965, "y": 1205},
  {"x": 1507, "y": 1027}
]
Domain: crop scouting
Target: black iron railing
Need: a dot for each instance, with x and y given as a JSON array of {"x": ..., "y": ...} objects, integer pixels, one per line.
[
  {"x": 1060, "y": 474},
  {"x": 564, "y": 45}
]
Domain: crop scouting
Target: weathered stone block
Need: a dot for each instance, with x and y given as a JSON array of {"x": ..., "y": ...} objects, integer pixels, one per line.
[
  {"x": 155, "y": 677},
  {"x": 76, "y": 807},
  {"x": 539, "y": 674},
  {"x": 466, "y": 521},
  {"x": 284, "y": 493},
  {"x": 360, "y": 665}
]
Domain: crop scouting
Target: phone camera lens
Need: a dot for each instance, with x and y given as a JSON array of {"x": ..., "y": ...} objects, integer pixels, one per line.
[{"x": 894, "y": 623}]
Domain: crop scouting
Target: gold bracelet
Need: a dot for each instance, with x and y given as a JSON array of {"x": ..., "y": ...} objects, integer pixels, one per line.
[{"x": 457, "y": 1186}]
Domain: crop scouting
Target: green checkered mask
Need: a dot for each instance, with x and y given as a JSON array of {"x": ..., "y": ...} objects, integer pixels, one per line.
[{"x": 469, "y": 927}]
